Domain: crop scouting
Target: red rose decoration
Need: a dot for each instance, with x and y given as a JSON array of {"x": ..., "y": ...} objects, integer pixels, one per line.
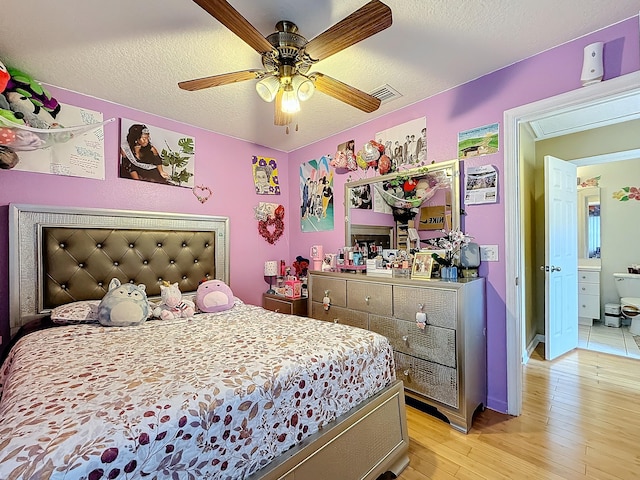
[{"x": 263, "y": 226}]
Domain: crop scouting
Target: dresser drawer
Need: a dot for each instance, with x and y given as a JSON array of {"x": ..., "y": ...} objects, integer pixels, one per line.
[
  {"x": 339, "y": 315},
  {"x": 436, "y": 344},
  {"x": 588, "y": 277},
  {"x": 292, "y": 306},
  {"x": 440, "y": 305},
  {"x": 370, "y": 297},
  {"x": 589, "y": 306},
  {"x": 588, "y": 288},
  {"x": 427, "y": 378},
  {"x": 336, "y": 288}
]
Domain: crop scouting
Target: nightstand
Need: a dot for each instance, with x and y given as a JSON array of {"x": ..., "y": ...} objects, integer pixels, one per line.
[{"x": 278, "y": 303}]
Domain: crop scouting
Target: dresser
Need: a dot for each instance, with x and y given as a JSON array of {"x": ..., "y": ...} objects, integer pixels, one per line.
[
  {"x": 278, "y": 303},
  {"x": 588, "y": 295},
  {"x": 442, "y": 365}
]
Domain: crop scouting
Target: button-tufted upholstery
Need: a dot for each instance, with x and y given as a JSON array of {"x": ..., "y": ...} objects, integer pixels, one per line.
[{"x": 80, "y": 263}]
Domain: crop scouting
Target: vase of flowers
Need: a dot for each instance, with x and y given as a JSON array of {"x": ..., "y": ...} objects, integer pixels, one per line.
[{"x": 451, "y": 242}]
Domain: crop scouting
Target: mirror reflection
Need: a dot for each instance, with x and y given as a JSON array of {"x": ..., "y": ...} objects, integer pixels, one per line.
[
  {"x": 589, "y": 222},
  {"x": 404, "y": 209}
]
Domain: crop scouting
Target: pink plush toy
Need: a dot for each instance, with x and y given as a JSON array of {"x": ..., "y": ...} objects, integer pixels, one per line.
[{"x": 214, "y": 296}]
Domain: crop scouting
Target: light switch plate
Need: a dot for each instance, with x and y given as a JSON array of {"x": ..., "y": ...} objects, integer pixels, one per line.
[{"x": 489, "y": 253}]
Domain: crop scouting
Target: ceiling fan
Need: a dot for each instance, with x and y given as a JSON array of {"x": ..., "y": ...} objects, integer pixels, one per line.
[{"x": 287, "y": 58}]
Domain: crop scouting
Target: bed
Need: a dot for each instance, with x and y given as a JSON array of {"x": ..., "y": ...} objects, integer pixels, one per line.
[{"x": 243, "y": 393}]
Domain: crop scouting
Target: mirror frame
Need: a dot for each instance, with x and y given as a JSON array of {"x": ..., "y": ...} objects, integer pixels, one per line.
[{"x": 453, "y": 165}]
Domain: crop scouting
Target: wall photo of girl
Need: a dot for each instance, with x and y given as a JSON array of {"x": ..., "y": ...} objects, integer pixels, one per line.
[{"x": 141, "y": 159}]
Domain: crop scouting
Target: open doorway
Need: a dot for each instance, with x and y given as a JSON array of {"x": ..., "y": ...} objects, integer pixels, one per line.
[{"x": 520, "y": 124}]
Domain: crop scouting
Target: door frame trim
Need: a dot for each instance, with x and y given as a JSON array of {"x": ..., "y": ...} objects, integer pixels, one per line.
[{"x": 513, "y": 118}]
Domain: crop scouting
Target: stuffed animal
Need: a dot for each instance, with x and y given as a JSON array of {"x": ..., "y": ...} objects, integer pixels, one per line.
[
  {"x": 172, "y": 304},
  {"x": 214, "y": 296},
  {"x": 33, "y": 116},
  {"x": 28, "y": 87},
  {"x": 8, "y": 156},
  {"x": 4, "y": 77},
  {"x": 124, "y": 305}
]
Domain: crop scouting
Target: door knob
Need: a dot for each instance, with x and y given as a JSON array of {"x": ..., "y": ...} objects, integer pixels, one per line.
[
  {"x": 544, "y": 268},
  {"x": 555, "y": 269}
]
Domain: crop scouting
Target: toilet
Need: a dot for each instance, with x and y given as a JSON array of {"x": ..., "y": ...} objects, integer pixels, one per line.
[{"x": 628, "y": 287}]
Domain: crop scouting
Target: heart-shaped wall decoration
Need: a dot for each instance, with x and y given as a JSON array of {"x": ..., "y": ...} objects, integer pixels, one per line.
[
  {"x": 271, "y": 236},
  {"x": 277, "y": 222},
  {"x": 202, "y": 193}
]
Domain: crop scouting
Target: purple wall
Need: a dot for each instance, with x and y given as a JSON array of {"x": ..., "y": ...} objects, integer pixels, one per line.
[
  {"x": 475, "y": 104},
  {"x": 224, "y": 165}
]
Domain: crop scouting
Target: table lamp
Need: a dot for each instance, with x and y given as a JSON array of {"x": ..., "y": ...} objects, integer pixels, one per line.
[{"x": 271, "y": 271}]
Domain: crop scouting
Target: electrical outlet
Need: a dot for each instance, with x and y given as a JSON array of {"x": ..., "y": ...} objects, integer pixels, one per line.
[{"x": 489, "y": 253}]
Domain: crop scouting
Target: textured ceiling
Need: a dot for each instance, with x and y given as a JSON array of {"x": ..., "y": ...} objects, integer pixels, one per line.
[{"x": 134, "y": 52}]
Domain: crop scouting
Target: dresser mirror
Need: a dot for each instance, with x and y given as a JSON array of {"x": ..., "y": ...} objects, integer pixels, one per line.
[{"x": 403, "y": 209}]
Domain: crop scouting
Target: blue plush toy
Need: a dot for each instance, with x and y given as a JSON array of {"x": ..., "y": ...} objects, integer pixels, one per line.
[{"x": 123, "y": 305}]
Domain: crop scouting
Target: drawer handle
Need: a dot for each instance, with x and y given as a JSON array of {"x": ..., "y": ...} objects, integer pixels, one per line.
[
  {"x": 405, "y": 339},
  {"x": 277, "y": 310},
  {"x": 366, "y": 299},
  {"x": 336, "y": 320}
]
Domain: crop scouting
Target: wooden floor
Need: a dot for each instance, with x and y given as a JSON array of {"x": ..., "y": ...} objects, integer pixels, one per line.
[{"x": 580, "y": 420}]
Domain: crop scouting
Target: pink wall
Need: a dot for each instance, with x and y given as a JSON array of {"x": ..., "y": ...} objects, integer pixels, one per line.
[
  {"x": 475, "y": 104},
  {"x": 224, "y": 164}
]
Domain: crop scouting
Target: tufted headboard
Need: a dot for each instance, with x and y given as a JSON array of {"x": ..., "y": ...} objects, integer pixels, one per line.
[{"x": 61, "y": 255}]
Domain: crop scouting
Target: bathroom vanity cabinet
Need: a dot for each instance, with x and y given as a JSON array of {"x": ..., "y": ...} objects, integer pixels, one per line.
[
  {"x": 588, "y": 295},
  {"x": 442, "y": 365}
]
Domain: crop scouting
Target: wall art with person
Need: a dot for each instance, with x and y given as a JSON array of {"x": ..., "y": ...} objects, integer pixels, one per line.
[
  {"x": 153, "y": 154},
  {"x": 316, "y": 195},
  {"x": 265, "y": 175}
]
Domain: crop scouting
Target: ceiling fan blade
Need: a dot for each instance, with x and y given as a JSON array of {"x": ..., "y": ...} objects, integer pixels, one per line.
[
  {"x": 368, "y": 20},
  {"x": 280, "y": 118},
  {"x": 231, "y": 18},
  {"x": 345, "y": 93},
  {"x": 217, "y": 80}
]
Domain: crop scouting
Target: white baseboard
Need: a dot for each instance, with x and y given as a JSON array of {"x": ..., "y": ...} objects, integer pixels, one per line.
[{"x": 532, "y": 346}]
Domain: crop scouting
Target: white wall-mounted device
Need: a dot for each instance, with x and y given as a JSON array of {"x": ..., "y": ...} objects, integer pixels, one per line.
[{"x": 593, "y": 64}]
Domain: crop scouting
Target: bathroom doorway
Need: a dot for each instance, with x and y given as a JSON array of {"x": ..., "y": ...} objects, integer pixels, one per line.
[{"x": 586, "y": 108}]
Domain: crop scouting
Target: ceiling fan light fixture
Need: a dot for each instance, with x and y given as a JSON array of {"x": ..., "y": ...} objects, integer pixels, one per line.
[
  {"x": 290, "y": 102},
  {"x": 267, "y": 88},
  {"x": 303, "y": 86}
]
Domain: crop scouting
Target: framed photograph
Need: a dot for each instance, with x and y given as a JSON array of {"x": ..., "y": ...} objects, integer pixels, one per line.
[
  {"x": 153, "y": 154},
  {"x": 422, "y": 264},
  {"x": 435, "y": 266}
]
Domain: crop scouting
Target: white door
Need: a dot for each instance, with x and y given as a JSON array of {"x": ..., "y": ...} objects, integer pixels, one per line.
[{"x": 561, "y": 257}]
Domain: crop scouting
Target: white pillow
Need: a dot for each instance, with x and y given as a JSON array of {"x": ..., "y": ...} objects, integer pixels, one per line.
[{"x": 85, "y": 311}]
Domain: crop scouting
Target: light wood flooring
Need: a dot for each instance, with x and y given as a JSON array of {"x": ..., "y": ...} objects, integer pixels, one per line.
[{"x": 580, "y": 420}]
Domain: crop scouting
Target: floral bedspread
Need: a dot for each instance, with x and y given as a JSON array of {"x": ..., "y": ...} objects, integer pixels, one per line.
[{"x": 215, "y": 396}]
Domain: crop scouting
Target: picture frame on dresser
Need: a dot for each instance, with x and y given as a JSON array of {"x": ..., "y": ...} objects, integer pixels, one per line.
[{"x": 422, "y": 265}]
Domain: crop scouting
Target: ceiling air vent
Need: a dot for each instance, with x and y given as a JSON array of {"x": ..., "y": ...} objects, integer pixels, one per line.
[{"x": 385, "y": 93}]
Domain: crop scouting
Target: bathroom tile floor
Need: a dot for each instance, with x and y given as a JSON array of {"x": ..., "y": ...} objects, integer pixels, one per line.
[{"x": 599, "y": 337}]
